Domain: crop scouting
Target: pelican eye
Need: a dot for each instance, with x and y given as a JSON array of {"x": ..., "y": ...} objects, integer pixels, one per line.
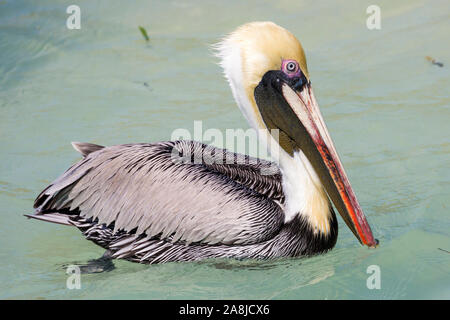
[{"x": 291, "y": 67}]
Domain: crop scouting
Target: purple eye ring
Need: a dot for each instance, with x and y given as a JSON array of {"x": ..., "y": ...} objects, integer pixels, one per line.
[{"x": 290, "y": 67}]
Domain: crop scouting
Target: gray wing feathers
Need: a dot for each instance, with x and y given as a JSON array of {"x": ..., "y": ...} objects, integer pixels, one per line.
[
  {"x": 51, "y": 217},
  {"x": 149, "y": 188},
  {"x": 86, "y": 148}
]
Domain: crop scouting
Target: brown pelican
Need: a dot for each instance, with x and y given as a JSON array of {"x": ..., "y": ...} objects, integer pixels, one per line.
[{"x": 146, "y": 203}]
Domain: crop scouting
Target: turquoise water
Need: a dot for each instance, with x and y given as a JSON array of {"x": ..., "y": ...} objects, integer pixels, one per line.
[{"x": 386, "y": 107}]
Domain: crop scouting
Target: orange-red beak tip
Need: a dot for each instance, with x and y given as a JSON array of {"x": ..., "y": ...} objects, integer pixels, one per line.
[
  {"x": 372, "y": 244},
  {"x": 375, "y": 245}
]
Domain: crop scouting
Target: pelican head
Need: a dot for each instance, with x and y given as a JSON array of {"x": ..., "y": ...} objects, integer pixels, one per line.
[{"x": 266, "y": 68}]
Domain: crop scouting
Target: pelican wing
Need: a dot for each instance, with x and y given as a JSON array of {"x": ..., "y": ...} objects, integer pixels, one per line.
[{"x": 172, "y": 190}]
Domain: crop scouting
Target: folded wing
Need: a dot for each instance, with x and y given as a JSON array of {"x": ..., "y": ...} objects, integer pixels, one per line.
[{"x": 182, "y": 190}]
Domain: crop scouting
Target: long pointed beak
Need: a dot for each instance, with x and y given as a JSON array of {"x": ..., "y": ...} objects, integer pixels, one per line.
[
  {"x": 326, "y": 162},
  {"x": 297, "y": 115}
]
